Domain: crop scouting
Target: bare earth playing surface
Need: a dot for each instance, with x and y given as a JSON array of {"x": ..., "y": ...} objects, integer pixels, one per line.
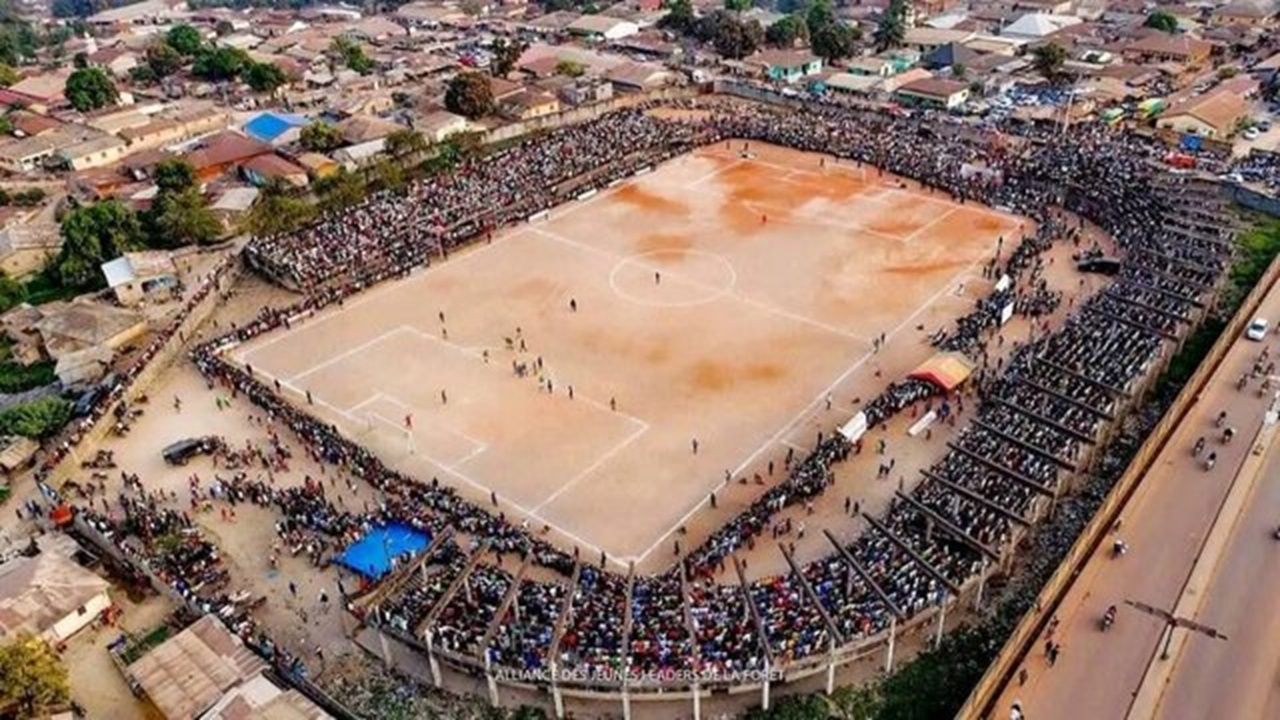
[{"x": 719, "y": 298}]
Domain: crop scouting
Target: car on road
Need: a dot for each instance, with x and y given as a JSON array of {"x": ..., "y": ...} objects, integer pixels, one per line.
[{"x": 1257, "y": 329}]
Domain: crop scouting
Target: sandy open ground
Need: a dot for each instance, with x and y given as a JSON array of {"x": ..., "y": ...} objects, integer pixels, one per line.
[{"x": 719, "y": 298}]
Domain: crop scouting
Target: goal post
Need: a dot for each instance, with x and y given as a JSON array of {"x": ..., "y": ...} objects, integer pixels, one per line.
[{"x": 374, "y": 422}]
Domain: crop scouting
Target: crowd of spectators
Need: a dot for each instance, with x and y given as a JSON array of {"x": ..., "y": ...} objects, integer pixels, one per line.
[{"x": 1038, "y": 413}]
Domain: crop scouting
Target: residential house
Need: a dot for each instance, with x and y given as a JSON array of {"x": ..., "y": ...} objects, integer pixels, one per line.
[
  {"x": 1038, "y": 26},
  {"x": 1214, "y": 115},
  {"x": 950, "y": 55},
  {"x": 1158, "y": 47},
  {"x": 147, "y": 12},
  {"x": 926, "y": 39},
  {"x": 376, "y": 29},
  {"x": 261, "y": 699},
  {"x": 854, "y": 84},
  {"x": 635, "y": 77},
  {"x": 275, "y": 129},
  {"x": 49, "y": 595},
  {"x": 363, "y": 128},
  {"x": 68, "y": 327},
  {"x": 117, "y": 60},
  {"x": 786, "y": 65},
  {"x": 602, "y": 27},
  {"x": 1250, "y": 13},
  {"x": 438, "y": 125},
  {"x": 188, "y": 674},
  {"x": 530, "y": 104},
  {"x": 871, "y": 66},
  {"x": 933, "y": 92},
  {"x": 585, "y": 92},
  {"x": 221, "y": 151},
  {"x": 136, "y": 276},
  {"x": 41, "y": 93},
  {"x": 26, "y": 245},
  {"x": 263, "y": 169},
  {"x": 317, "y": 166},
  {"x": 233, "y": 204},
  {"x": 94, "y": 152}
]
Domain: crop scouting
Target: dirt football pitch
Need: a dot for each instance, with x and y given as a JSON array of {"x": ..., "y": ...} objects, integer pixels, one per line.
[{"x": 721, "y": 299}]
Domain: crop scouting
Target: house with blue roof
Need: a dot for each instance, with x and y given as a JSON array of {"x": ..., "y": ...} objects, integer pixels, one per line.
[{"x": 274, "y": 128}]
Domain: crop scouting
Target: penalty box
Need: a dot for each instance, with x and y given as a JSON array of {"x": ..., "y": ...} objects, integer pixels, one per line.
[{"x": 410, "y": 393}]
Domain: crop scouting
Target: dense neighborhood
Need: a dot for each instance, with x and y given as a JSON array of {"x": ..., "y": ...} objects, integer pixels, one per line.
[{"x": 144, "y": 145}]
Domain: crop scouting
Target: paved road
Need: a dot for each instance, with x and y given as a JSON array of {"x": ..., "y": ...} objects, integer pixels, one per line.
[
  {"x": 1165, "y": 525},
  {"x": 1238, "y": 678}
]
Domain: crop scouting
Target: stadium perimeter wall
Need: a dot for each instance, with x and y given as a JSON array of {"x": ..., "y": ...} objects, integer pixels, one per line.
[{"x": 1020, "y": 643}]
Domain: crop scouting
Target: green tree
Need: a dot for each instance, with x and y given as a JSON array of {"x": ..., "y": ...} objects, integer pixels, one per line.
[
  {"x": 403, "y": 143},
  {"x": 339, "y": 190},
  {"x": 142, "y": 75},
  {"x": 278, "y": 210},
  {"x": 738, "y": 6},
  {"x": 185, "y": 39},
  {"x": 182, "y": 218},
  {"x": 8, "y": 75},
  {"x": 352, "y": 54},
  {"x": 892, "y": 28},
  {"x": 1048, "y": 60},
  {"x": 264, "y": 77},
  {"x": 506, "y": 54},
  {"x": 787, "y": 32},
  {"x": 163, "y": 59},
  {"x": 1162, "y": 21},
  {"x": 73, "y": 8},
  {"x": 735, "y": 39},
  {"x": 570, "y": 68},
  {"x": 320, "y": 136},
  {"x": 679, "y": 16},
  {"x": 388, "y": 174},
  {"x": 174, "y": 176},
  {"x": 11, "y": 292},
  {"x": 32, "y": 678},
  {"x": 30, "y": 197},
  {"x": 93, "y": 235},
  {"x": 219, "y": 64},
  {"x": 90, "y": 89},
  {"x": 469, "y": 94},
  {"x": 958, "y": 71},
  {"x": 820, "y": 14},
  {"x": 834, "y": 41}
]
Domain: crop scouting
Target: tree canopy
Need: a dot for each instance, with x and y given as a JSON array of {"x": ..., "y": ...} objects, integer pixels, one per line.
[
  {"x": 891, "y": 32},
  {"x": 8, "y": 75},
  {"x": 32, "y": 677},
  {"x": 320, "y": 136},
  {"x": 92, "y": 235},
  {"x": 219, "y": 64},
  {"x": 36, "y": 420},
  {"x": 163, "y": 59},
  {"x": 1163, "y": 21},
  {"x": 1048, "y": 60},
  {"x": 679, "y": 16},
  {"x": 786, "y": 32},
  {"x": 185, "y": 39},
  {"x": 505, "y": 55},
  {"x": 264, "y": 77},
  {"x": 470, "y": 95},
  {"x": 278, "y": 210},
  {"x": 352, "y": 54},
  {"x": 89, "y": 89}
]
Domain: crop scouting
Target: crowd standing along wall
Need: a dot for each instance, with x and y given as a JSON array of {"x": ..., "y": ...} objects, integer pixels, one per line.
[{"x": 1022, "y": 641}]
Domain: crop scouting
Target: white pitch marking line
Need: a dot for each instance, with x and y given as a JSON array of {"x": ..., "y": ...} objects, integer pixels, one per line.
[
  {"x": 463, "y": 477},
  {"x": 808, "y": 408},
  {"x": 349, "y": 352},
  {"x": 731, "y": 293},
  {"x": 713, "y": 173},
  {"x": 600, "y": 461}
]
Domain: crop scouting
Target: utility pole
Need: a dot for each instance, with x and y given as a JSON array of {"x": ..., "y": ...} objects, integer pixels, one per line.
[{"x": 1172, "y": 621}]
